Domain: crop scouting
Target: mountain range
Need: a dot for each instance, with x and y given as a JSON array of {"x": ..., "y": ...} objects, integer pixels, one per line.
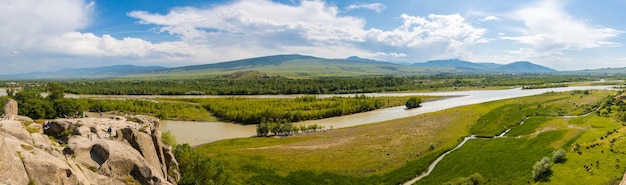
[{"x": 301, "y": 66}]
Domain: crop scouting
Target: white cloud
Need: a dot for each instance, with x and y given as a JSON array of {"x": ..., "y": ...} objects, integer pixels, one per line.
[
  {"x": 387, "y": 56},
  {"x": 311, "y": 20},
  {"x": 490, "y": 18},
  {"x": 549, "y": 27},
  {"x": 438, "y": 36},
  {"x": 25, "y": 23},
  {"x": 377, "y": 7}
]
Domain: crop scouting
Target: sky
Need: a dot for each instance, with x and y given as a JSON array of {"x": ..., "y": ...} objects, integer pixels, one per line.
[{"x": 48, "y": 35}]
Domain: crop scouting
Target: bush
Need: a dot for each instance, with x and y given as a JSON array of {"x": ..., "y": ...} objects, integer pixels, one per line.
[
  {"x": 559, "y": 156},
  {"x": 542, "y": 169},
  {"x": 168, "y": 138},
  {"x": 196, "y": 168},
  {"x": 413, "y": 102}
]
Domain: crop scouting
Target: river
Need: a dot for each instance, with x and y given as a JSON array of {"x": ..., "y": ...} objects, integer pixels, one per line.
[{"x": 196, "y": 133}]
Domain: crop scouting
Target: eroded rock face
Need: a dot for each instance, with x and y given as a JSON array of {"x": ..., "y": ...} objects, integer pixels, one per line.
[
  {"x": 94, "y": 151},
  {"x": 10, "y": 108},
  {"x": 12, "y": 169}
]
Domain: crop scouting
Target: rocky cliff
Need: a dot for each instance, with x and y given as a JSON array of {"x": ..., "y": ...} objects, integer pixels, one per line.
[{"x": 85, "y": 151}]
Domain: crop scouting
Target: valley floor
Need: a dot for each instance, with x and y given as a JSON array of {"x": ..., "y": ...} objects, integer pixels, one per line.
[{"x": 395, "y": 151}]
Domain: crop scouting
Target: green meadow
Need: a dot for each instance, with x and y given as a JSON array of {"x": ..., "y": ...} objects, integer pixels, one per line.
[{"x": 395, "y": 151}]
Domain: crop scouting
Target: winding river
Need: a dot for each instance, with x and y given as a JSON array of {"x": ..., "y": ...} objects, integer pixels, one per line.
[{"x": 196, "y": 133}]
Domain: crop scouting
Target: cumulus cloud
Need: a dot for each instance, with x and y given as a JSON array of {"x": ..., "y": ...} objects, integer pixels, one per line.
[
  {"x": 311, "y": 20},
  {"x": 547, "y": 26},
  {"x": 25, "y": 23},
  {"x": 437, "y": 35},
  {"x": 377, "y": 7}
]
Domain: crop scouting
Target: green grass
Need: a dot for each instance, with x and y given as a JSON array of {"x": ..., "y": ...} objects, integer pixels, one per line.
[
  {"x": 511, "y": 112},
  {"x": 612, "y": 163},
  {"x": 499, "y": 161},
  {"x": 395, "y": 151},
  {"x": 529, "y": 126}
]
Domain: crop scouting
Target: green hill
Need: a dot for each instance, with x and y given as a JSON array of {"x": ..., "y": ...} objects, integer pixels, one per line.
[{"x": 300, "y": 66}]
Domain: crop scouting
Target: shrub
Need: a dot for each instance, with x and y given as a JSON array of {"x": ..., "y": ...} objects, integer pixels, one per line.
[
  {"x": 542, "y": 169},
  {"x": 168, "y": 138},
  {"x": 559, "y": 156},
  {"x": 413, "y": 102},
  {"x": 197, "y": 168}
]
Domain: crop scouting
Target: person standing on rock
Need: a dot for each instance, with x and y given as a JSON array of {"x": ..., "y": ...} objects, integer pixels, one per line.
[{"x": 109, "y": 131}]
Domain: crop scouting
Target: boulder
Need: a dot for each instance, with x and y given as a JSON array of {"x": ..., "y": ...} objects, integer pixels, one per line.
[
  {"x": 91, "y": 155},
  {"x": 41, "y": 141},
  {"x": 143, "y": 143},
  {"x": 15, "y": 129},
  {"x": 57, "y": 127},
  {"x": 84, "y": 131},
  {"x": 119, "y": 160},
  {"x": 47, "y": 169},
  {"x": 10, "y": 108},
  {"x": 12, "y": 168}
]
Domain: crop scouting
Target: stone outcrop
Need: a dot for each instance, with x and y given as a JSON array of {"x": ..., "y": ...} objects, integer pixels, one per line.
[
  {"x": 85, "y": 151},
  {"x": 10, "y": 108}
]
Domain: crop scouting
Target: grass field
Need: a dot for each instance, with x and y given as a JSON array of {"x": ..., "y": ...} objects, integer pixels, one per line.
[{"x": 397, "y": 150}]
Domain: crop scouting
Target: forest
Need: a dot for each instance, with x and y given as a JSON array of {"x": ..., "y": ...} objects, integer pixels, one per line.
[
  {"x": 280, "y": 85},
  {"x": 255, "y": 111}
]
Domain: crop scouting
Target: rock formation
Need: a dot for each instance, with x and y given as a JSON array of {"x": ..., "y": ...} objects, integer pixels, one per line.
[
  {"x": 85, "y": 151},
  {"x": 10, "y": 108}
]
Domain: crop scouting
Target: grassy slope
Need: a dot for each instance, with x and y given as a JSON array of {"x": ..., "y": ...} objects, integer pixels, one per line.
[
  {"x": 499, "y": 161},
  {"x": 309, "y": 68},
  {"x": 386, "y": 152}
]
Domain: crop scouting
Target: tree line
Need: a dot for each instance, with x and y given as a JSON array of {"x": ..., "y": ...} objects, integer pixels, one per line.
[
  {"x": 280, "y": 85},
  {"x": 31, "y": 103},
  {"x": 255, "y": 111}
]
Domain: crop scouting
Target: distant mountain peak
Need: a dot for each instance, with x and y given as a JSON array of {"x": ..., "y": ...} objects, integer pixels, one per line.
[{"x": 515, "y": 67}]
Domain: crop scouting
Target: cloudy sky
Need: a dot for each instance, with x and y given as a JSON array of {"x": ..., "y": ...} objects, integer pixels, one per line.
[{"x": 47, "y": 35}]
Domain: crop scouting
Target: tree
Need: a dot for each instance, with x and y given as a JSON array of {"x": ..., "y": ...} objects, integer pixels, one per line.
[
  {"x": 197, "y": 168},
  {"x": 262, "y": 129},
  {"x": 56, "y": 91},
  {"x": 66, "y": 107},
  {"x": 288, "y": 128},
  {"x": 559, "y": 156},
  {"x": 542, "y": 169},
  {"x": 413, "y": 102},
  {"x": 168, "y": 138},
  {"x": 33, "y": 105}
]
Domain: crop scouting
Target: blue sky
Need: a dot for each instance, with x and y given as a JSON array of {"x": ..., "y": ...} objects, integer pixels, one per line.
[{"x": 47, "y": 35}]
